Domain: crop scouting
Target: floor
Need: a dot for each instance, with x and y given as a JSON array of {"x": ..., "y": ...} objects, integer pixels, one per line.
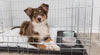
[{"x": 95, "y": 49}]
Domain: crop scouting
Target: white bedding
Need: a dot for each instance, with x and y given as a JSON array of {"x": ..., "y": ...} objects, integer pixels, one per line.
[{"x": 13, "y": 36}]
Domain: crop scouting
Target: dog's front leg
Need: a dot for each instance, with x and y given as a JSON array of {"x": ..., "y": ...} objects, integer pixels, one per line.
[
  {"x": 36, "y": 38},
  {"x": 35, "y": 42},
  {"x": 51, "y": 44}
]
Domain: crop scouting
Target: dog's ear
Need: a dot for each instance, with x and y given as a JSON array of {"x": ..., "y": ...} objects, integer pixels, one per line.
[
  {"x": 45, "y": 7},
  {"x": 28, "y": 11}
]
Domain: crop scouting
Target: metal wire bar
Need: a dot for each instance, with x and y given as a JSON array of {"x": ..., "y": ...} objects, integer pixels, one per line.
[{"x": 63, "y": 17}]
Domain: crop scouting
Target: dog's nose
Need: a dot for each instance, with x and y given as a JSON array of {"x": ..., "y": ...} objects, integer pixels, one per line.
[{"x": 39, "y": 19}]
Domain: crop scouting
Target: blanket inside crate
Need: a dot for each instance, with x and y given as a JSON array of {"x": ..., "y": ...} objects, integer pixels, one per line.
[{"x": 12, "y": 38}]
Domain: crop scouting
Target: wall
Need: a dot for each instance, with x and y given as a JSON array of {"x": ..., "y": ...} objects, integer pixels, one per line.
[
  {"x": 96, "y": 16},
  {"x": 5, "y": 14}
]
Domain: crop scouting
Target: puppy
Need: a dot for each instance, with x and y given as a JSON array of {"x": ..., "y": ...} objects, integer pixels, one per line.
[{"x": 37, "y": 29}]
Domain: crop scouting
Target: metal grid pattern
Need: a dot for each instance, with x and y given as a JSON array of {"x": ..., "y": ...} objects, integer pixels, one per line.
[{"x": 70, "y": 15}]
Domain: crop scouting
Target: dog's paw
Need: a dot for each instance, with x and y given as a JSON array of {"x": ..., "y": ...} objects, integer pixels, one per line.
[
  {"x": 55, "y": 47},
  {"x": 52, "y": 47},
  {"x": 49, "y": 47}
]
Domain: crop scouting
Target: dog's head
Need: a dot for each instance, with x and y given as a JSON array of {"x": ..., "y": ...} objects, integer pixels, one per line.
[{"x": 39, "y": 14}]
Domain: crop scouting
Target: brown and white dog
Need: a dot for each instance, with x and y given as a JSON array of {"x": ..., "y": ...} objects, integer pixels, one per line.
[{"x": 37, "y": 29}]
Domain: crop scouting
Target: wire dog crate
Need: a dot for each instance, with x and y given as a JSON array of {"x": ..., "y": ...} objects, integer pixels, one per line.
[{"x": 73, "y": 16}]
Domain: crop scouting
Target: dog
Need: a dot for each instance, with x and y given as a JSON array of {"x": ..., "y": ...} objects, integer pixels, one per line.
[{"x": 37, "y": 28}]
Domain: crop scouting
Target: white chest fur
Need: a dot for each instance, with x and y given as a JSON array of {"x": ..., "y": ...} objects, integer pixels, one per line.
[{"x": 41, "y": 28}]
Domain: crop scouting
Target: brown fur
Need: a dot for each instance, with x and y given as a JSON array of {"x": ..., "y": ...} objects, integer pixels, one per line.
[
  {"x": 47, "y": 39},
  {"x": 34, "y": 12},
  {"x": 26, "y": 28},
  {"x": 41, "y": 46},
  {"x": 15, "y": 27}
]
